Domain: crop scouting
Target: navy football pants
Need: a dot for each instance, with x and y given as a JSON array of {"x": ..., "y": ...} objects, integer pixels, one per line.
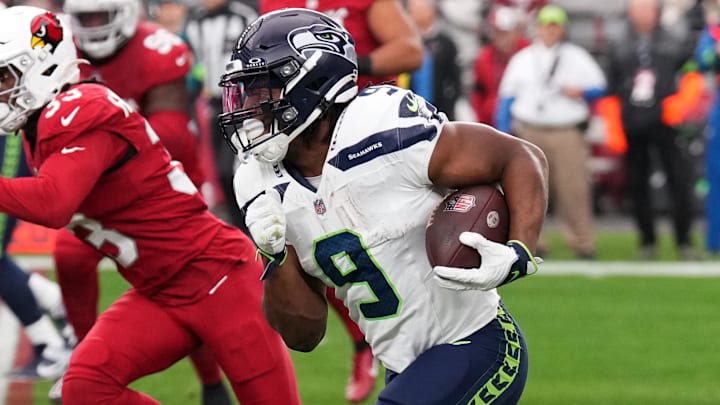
[{"x": 488, "y": 367}]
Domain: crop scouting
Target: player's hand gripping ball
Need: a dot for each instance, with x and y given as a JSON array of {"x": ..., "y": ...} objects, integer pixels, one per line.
[
  {"x": 481, "y": 209},
  {"x": 467, "y": 242}
]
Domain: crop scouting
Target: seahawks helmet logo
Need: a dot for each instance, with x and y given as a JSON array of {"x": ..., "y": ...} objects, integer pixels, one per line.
[{"x": 324, "y": 38}]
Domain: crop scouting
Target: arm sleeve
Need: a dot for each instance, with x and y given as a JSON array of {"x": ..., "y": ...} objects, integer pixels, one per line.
[{"x": 63, "y": 181}]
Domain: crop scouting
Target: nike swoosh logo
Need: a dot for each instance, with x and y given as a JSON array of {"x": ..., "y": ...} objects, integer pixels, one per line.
[
  {"x": 180, "y": 60},
  {"x": 65, "y": 121},
  {"x": 413, "y": 105},
  {"x": 514, "y": 275},
  {"x": 67, "y": 150}
]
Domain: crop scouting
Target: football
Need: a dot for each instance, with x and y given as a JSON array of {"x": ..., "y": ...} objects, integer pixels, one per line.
[{"x": 480, "y": 209}]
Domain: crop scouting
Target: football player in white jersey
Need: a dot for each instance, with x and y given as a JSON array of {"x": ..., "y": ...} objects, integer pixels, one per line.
[{"x": 337, "y": 188}]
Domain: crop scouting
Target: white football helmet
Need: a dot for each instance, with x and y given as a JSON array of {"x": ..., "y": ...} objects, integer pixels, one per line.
[
  {"x": 37, "y": 53},
  {"x": 102, "y": 27}
]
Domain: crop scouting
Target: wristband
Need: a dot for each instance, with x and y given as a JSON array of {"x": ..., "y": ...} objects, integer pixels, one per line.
[
  {"x": 273, "y": 261},
  {"x": 364, "y": 65},
  {"x": 525, "y": 265}
]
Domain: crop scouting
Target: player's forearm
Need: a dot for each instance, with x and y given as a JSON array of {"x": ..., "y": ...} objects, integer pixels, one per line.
[
  {"x": 399, "y": 56},
  {"x": 299, "y": 329},
  {"x": 525, "y": 183},
  {"x": 294, "y": 308}
]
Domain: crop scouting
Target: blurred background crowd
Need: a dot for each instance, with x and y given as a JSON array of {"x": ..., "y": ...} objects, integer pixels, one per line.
[{"x": 618, "y": 93}]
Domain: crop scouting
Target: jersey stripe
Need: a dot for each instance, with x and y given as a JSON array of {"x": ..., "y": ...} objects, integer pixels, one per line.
[{"x": 382, "y": 143}]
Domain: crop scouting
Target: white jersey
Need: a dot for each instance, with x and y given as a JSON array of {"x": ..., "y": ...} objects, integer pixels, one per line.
[{"x": 362, "y": 231}]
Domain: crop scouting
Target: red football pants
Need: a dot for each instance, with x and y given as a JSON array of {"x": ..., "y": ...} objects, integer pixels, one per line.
[
  {"x": 136, "y": 337},
  {"x": 76, "y": 267}
]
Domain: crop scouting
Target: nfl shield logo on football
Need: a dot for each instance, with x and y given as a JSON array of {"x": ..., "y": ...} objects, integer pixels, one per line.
[
  {"x": 320, "y": 208},
  {"x": 460, "y": 203}
]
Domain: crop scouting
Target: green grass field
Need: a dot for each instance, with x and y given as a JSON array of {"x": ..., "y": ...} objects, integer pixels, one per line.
[{"x": 599, "y": 340}]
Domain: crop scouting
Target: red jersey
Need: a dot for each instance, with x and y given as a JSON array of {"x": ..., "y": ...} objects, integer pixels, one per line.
[
  {"x": 488, "y": 71},
  {"x": 153, "y": 56},
  {"x": 351, "y": 14},
  {"x": 102, "y": 171}
]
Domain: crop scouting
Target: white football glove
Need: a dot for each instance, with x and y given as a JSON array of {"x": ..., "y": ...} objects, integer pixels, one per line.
[
  {"x": 265, "y": 219},
  {"x": 500, "y": 264}
]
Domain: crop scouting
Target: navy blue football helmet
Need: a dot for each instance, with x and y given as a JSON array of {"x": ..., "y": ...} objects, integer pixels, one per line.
[{"x": 288, "y": 68}]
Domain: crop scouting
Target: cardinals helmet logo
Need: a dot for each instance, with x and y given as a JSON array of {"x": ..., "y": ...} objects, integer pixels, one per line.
[{"x": 46, "y": 30}]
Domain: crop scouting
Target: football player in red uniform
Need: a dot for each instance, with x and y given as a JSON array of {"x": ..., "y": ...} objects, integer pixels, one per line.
[
  {"x": 387, "y": 44},
  {"x": 145, "y": 65},
  {"x": 101, "y": 170},
  {"x": 386, "y": 40}
]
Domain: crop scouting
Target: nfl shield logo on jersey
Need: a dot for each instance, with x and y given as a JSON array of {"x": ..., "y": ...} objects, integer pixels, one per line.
[{"x": 320, "y": 208}]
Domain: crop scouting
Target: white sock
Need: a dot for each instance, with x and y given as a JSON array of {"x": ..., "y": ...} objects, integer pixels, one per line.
[
  {"x": 47, "y": 294},
  {"x": 43, "y": 332}
]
